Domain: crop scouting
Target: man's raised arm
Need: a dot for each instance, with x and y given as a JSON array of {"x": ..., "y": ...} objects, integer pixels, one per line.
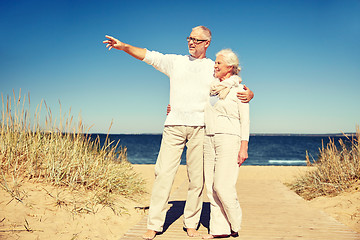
[{"x": 138, "y": 53}]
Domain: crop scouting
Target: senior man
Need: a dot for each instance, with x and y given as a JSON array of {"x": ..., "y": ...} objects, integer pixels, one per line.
[{"x": 190, "y": 78}]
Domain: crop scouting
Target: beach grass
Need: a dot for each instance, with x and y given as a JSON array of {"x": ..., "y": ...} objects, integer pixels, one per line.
[
  {"x": 336, "y": 170},
  {"x": 60, "y": 152}
]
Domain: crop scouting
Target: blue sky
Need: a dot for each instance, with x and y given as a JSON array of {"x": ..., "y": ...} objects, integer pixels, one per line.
[{"x": 301, "y": 58}]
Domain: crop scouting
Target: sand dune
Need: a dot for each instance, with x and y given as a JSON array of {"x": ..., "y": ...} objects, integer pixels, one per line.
[{"x": 47, "y": 212}]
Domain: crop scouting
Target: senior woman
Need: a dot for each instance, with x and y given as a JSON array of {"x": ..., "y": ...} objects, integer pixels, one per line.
[{"x": 225, "y": 147}]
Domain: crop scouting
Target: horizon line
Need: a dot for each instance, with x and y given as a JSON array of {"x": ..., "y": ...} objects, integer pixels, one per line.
[{"x": 253, "y": 134}]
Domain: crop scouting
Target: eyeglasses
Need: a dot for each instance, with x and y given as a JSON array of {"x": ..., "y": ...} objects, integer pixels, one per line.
[{"x": 195, "y": 40}]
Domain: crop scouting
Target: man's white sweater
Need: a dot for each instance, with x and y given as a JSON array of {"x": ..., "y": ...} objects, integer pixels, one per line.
[{"x": 190, "y": 80}]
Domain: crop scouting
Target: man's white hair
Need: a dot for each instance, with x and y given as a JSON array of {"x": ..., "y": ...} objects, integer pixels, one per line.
[{"x": 205, "y": 32}]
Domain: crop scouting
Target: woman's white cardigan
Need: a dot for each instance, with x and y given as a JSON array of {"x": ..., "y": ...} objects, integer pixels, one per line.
[{"x": 229, "y": 116}]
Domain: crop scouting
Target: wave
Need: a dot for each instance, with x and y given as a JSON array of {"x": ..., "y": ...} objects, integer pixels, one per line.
[{"x": 287, "y": 161}]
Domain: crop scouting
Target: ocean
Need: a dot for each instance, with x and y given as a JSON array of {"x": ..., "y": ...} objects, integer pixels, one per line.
[{"x": 264, "y": 150}]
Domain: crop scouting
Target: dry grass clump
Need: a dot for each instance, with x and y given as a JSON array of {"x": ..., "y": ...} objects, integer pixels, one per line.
[
  {"x": 337, "y": 169},
  {"x": 60, "y": 153}
]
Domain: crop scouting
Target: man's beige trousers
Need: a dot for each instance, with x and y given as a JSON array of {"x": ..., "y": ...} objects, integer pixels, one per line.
[
  {"x": 221, "y": 173},
  {"x": 174, "y": 139}
]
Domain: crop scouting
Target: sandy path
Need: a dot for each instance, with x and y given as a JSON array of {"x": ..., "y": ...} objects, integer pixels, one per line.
[{"x": 49, "y": 218}]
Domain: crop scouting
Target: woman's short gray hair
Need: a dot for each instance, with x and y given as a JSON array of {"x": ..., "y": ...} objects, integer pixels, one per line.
[
  {"x": 231, "y": 59},
  {"x": 205, "y": 30}
]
